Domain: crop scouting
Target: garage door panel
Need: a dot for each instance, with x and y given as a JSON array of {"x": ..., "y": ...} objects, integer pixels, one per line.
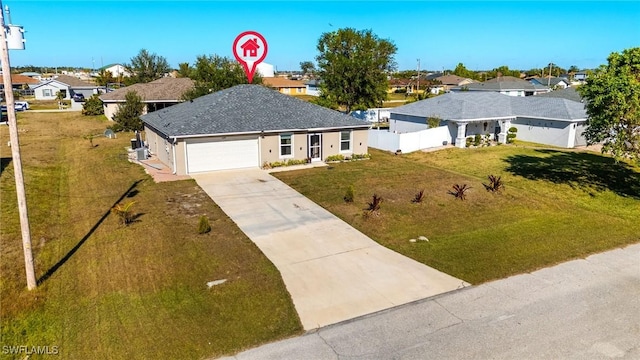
[{"x": 222, "y": 155}]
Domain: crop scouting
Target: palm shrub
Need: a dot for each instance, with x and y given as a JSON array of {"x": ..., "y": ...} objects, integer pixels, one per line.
[
  {"x": 495, "y": 183},
  {"x": 350, "y": 194},
  {"x": 460, "y": 191},
  {"x": 203, "y": 225},
  {"x": 418, "y": 197},
  {"x": 124, "y": 212},
  {"x": 374, "y": 205}
]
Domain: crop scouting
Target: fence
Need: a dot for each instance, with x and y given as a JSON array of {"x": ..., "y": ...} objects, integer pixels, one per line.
[{"x": 409, "y": 142}]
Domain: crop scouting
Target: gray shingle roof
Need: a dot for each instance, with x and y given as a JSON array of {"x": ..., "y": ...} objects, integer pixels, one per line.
[
  {"x": 503, "y": 83},
  {"x": 245, "y": 109},
  {"x": 569, "y": 93},
  {"x": 490, "y": 105}
]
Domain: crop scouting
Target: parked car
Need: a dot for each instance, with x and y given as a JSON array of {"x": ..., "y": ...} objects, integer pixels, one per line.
[
  {"x": 78, "y": 97},
  {"x": 18, "y": 105}
]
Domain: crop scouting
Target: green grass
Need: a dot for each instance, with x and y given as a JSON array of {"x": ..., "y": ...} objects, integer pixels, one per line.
[
  {"x": 46, "y": 104},
  {"x": 557, "y": 205},
  {"x": 113, "y": 292}
]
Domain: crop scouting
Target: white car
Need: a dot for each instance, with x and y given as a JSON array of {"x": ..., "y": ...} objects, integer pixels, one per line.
[{"x": 18, "y": 105}]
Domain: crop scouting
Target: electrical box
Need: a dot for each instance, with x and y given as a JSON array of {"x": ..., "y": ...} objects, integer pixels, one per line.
[{"x": 15, "y": 37}]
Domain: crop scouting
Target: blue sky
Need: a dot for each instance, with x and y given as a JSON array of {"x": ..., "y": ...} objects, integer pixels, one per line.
[{"x": 480, "y": 34}]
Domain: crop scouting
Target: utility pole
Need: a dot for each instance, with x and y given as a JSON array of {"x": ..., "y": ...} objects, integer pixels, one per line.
[
  {"x": 418, "y": 86},
  {"x": 549, "y": 78},
  {"x": 15, "y": 152}
]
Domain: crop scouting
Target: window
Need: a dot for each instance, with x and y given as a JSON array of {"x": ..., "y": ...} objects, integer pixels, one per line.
[
  {"x": 286, "y": 145},
  {"x": 46, "y": 92},
  {"x": 299, "y": 90},
  {"x": 345, "y": 140}
]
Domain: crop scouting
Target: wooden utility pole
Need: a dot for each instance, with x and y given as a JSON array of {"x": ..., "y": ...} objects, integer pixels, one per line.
[
  {"x": 15, "y": 152},
  {"x": 418, "y": 89}
]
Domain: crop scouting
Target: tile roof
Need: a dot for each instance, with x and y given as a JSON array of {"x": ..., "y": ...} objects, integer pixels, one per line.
[
  {"x": 469, "y": 106},
  {"x": 278, "y": 82},
  {"x": 20, "y": 79},
  {"x": 163, "y": 89},
  {"x": 245, "y": 109}
]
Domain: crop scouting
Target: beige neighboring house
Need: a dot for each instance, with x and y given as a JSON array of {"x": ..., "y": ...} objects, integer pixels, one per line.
[
  {"x": 246, "y": 126},
  {"x": 155, "y": 95},
  {"x": 449, "y": 81},
  {"x": 286, "y": 86}
]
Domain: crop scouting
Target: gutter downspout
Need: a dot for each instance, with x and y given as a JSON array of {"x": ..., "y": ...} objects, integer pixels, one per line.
[{"x": 175, "y": 164}]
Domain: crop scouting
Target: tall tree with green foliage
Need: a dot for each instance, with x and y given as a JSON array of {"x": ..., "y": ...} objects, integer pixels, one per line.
[
  {"x": 213, "y": 73},
  {"x": 184, "y": 70},
  {"x": 104, "y": 77},
  {"x": 307, "y": 67},
  {"x": 612, "y": 97},
  {"x": 146, "y": 67},
  {"x": 462, "y": 71},
  {"x": 353, "y": 66},
  {"x": 128, "y": 113},
  {"x": 93, "y": 106}
]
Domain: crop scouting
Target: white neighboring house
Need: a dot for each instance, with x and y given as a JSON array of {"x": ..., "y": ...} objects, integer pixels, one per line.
[
  {"x": 116, "y": 70},
  {"x": 545, "y": 120},
  {"x": 67, "y": 85},
  {"x": 313, "y": 87},
  {"x": 507, "y": 85}
]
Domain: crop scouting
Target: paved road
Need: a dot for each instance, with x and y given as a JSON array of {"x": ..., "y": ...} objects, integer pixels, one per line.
[
  {"x": 332, "y": 271},
  {"x": 582, "y": 309}
]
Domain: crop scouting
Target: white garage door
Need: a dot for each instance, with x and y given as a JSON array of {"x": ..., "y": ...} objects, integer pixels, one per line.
[{"x": 222, "y": 155}]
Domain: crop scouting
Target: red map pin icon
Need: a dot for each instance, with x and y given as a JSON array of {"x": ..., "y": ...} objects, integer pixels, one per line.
[{"x": 250, "y": 49}]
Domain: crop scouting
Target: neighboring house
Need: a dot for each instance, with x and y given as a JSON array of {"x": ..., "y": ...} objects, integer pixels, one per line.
[
  {"x": 116, "y": 70},
  {"x": 19, "y": 81},
  {"x": 507, "y": 85},
  {"x": 286, "y": 86},
  {"x": 551, "y": 82},
  {"x": 372, "y": 115},
  {"x": 545, "y": 120},
  {"x": 451, "y": 81},
  {"x": 580, "y": 76},
  {"x": 569, "y": 93},
  {"x": 66, "y": 84},
  {"x": 33, "y": 75},
  {"x": 246, "y": 126},
  {"x": 155, "y": 95},
  {"x": 401, "y": 85},
  {"x": 313, "y": 87}
]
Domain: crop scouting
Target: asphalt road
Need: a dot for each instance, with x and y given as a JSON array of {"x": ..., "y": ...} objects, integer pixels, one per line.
[{"x": 582, "y": 309}]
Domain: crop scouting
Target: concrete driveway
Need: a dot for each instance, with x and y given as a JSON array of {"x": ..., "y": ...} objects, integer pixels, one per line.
[
  {"x": 581, "y": 309},
  {"x": 332, "y": 271}
]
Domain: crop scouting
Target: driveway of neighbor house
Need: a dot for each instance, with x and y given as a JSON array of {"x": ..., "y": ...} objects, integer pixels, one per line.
[{"x": 332, "y": 271}]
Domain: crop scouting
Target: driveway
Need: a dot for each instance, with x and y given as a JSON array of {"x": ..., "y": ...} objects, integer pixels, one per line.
[
  {"x": 581, "y": 309},
  {"x": 332, "y": 271}
]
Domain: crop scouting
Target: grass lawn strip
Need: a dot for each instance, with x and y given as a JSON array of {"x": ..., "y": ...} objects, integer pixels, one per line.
[{"x": 133, "y": 292}]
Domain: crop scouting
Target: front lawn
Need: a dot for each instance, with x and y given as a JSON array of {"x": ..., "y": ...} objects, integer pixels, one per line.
[
  {"x": 557, "y": 205},
  {"x": 113, "y": 292}
]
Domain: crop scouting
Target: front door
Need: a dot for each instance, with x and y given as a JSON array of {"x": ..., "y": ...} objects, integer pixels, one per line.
[{"x": 315, "y": 147}]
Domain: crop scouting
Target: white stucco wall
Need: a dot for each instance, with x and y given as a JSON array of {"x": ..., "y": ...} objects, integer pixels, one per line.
[
  {"x": 409, "y": 142},
  {"x": 548, "y": 132}
]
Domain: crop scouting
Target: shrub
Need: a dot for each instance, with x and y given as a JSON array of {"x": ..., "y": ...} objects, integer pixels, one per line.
[
  {"x": 433, "y": 122},
  {"x": 349, "y": 195},
  {"x": 513, "y": 129},
  {"x": 203, "y": 225},
  {"x": 374, "y": 205},
  {"x": 124, "y": 212},
  {"x": 400, "y": 91},
  {"x": 477, "y": 140},
  {"x": 128, "y": 113},
  {"x": 337, "y": 157},
  {"x": 93, "y": 106},
  {"x": 460, "y": 191},
  {"x": 419, "y": 197},
  {"x": 495, "y": 183},
  {"x": 360, "y": 156},
  {"x": 469, "y": 141},
  {"x": 511, "y": 135}
]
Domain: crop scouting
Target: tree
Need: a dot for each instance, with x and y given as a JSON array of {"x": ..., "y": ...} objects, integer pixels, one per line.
[
  {"x": 93, "y": 106},
  {"x": 462, "y": 71},
  {"x": 104, "y": 77},
  {"x": 184, "y": 70},
  {"x": 59, "y": 98},
  {"x": 214, "y": 73},
  {"x": 353, "y": 66},
  {"x": 612, "y": 96},
  {"x": 146, "y": 67},
  {"x": 307, "y": 67},
  {"x": 128, "y": 114}
]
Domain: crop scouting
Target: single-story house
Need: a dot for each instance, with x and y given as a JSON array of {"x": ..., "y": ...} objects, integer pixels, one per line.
[
  {"x": 66, "y": 84},
  {"x": 569, "y": 93},
  {"x": 551, "y": 82},
  {"x": 286, "y": 86},
  {"x": 155, "y": 95},
  {"x": 450, "y": 81},
  {"x": 19, "y": 81},
  {"x": 116, "y": 70},
  {"x": 545, "y": 120},
  {"x": 247, "y": 126},
  {"x": 507, "y": 85},
  {"x": 313, "y": 87},
  {"x": 581, "y": 75}
]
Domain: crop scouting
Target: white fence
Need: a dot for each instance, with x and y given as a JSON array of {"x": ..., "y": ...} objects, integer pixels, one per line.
[{"x": 409, "y": 142}]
